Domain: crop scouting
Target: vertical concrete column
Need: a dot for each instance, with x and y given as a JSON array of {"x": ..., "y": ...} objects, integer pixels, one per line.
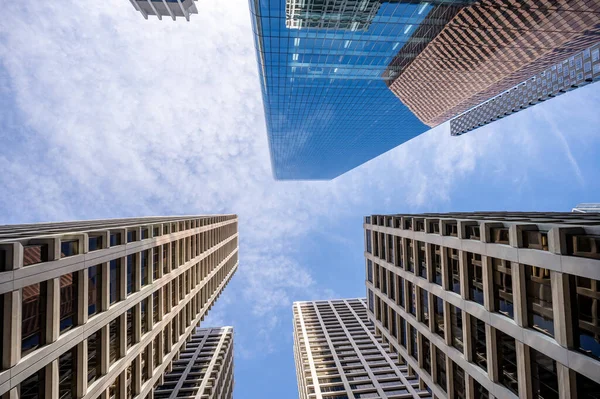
[
  {"x": 449, "y": 377},
  {"x": 169, "y": 257},
  {"x": 104, "y": 349},
  {"x": 12, "y": 394},
  {"x": 82, "y": 296},
  {"x": 445, "y": 266},
  {"x": 150, "y": 363},
  {"x": 136, "y": 375},
  {"x": 429, "y": 261},
  {"x": 467, "y": 336},
  {"x": 104, "y": 395},
  {"x": 51, "y": 380},
  {"x": 169, "y": 331},
  {"x": 137, "y": 323},
  {"x": 149, "y": 312},
  {"x": 189, "y": 247},
  {"x": 176, "y": 286},
  {"x": 491, "y": 352},
  {"x": 488, "y": 283},
  {"x": 464, "y": 275},
  {"x": 52, "y": 309},
  {"x": 122, "y": 385},
  {"x": 404, "y": 256},
  {"x": 469, "y": 387},
  {"x": 567, "y": 388},
  {"x": 161, "y": 300},
  {"x": 418, "y": 304},
  {"x": 159, "y": 249},
  {"x": 122, "y": 326},
  {"x": 415, "y": 256},
  {"x": 82, "y": 368},
  {"x": 105, "y": 285},
  {"x": 519, "y": 293},
  {"x": 11, "y": 331},
  {"x": 523, "y": 370},
  {"x": 161, "y": 345},
  {"x": 561, "y": 308},
  {"x": 430, "y": 300}
]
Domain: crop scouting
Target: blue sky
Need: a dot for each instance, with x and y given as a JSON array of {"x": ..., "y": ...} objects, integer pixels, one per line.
[{"x": 104, "y": 114}]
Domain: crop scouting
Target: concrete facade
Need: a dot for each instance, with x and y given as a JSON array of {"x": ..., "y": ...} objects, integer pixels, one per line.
[
  {"x": 484, "y": 305},
  {"x": 338, "y": 356},
  {"x": 203, "y": 368},
  {"x": 165, "y": 8},
  {"x": 100, "y": 308}
]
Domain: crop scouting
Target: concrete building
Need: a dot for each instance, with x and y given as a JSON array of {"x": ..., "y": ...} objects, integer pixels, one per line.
[
  {"x": 166, "y": 8},
  {"x": 338, "y": 356},
  {"x": 203, "y": 368},
  {"x": 488, "y": 304},
  {"x": 99, "y": 308},
  {"x": 588, "y": 207}
]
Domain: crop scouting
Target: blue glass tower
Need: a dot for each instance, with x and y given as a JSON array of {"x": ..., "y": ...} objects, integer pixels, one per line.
[{"x": 323, "y": 66}]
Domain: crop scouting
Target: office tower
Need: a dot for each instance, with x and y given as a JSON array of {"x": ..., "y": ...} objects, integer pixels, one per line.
[
  {"x": 492, "y": 46},
  {"x": 585, "y": 208},
  {"x": 203, "y": 367},
  {"x": 490, "y": 304},
  {"x": 327, "y": 106},
  {"x": 100, "y": 308},
  {"x": 345, "y": 81},
  {"x": 337, "y": 354},
  {"x": 166, "y": 8}
]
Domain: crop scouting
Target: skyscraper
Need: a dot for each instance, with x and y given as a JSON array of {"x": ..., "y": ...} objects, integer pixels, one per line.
[
  {"x": 203, "y": 368},
  {"x": 166, "y": 8},
  {"x": 587, "y": 207},
  {"x": 344, "y": 81},
  {"x": 99, "y": 308},
  {"x": 486, "y": 304},
  {"x": 338, "y": 356}
]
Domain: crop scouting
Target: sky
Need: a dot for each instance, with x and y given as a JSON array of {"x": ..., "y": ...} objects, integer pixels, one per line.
[{"x": 104, "y": 114}]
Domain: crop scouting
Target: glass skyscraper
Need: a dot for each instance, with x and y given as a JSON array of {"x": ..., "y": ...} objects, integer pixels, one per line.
[
  {"x": 328, "y": 108},
  {"x": 344, "y": 81}
]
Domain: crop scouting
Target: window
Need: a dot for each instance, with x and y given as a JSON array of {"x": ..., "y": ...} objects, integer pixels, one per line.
[
  {"x": 144, "y": 315},
  {"x": 437, "y": 264},
  {"x": 459, "y": 381},
  {"x": 440, "y": 372},
  {"x": 113, "y": 328},
  {"x": 145, "y": 255},
  {"x": 155, "y": 352},
  {"x": 68, "y": 301},
  {"x": 95, "y": 243},
  {"x": 434, "y": 227},
  {"x": 131, "y": 262},
  {"x": 412, "y": 296},
  {"x": 131, "y": 236},
  {"x": 480, "y": 391},
  {"x": 115, "y": 239},
  {"x": 390, "y": 249},
  {"x": 438, "y": 314},
  {"x": 585, "y": 246},
  {"x": 398, "y": 249},
  {"x": 586, "y": 388},
  {"x": 371, "y": 301},
  {"x": 67, "y": 371},
  {"x": 33, "y": 387},
  {"x": 499, "y": 235},
  {"x": 394, "y": 329},
  {"x": 392, "y": 293},
  {"x": 472, "y": 232},
  {"x": 424, "y": 307},
  {"x": 113, "y": 389},
  {"x": 507, "y": 362},
  {"x": 34, "y": 254},
  {"x": 451, "y": 228},
  {"x": 165, "y": 254},
  {"x": 586, "y": 315},
  {"x": 33, "y": 324},
  {"x": 155, "y": 307},
  {"x": 403, "y": 332},
  {"x": 129, "y": 320},
  {"x": 400, "y": 291},
  {"x": 69, "y": 248},
  {"x": 414, "y": 350},
  {"x": 115, "y": 280},
  {"x": 174, "y": 255},
  {"x": 93, "y": 347},
  {"x": 456, "y": 327},
  {"x": 478, "y": 343},
  {"x": 421, "y": 259},
  {"x": 539, "y": 299},
  {"x": 453, "y": 270},
  {"x": 544, "y": 379},
  {"x": 144, "y": 364},
  {"x": 535, "y": 240},
  {"x": 410, "y": 253},
  {"x": 475, "y": 277},
  {"x": 502, "y": 288},
  {"x": 94, "y": 290},
  {"x": 426, "y": 355},
  {"x": 155, "y": 256},
  {"x": 383, "y": 272}
]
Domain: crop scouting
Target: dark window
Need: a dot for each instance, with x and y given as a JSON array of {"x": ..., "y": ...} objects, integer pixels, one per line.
[
  {"x": 499, "y": 235},
  {"x": 94, "y": 290},
  {"x": 69, "y": 248},
  {"x": 434, "y": 227},
  {"x": 144, "y": 365},
  {"x": 451, "y": 229},
  {"x": 478, "y": 344},
  {"x": 544, "y": 379},
  {"x": 400, "y": 291},
  {"x": 426, "y": 355},
  {"x": 410, "y": 254},
  {"x": 586, "y": 388},
  {"x": 453, "y": 269},
  {"x": 156, "y": 231},
  {"x": 398, "y": 249},
  {"x": 165, "y": 299},
  {"x": 407, "y": 224},
  {"x": 503, "y": 294},
  {"x": 390, "y": 249},
  {"x": 174, "y": 255},
  {"x": 94, "y": 243},
  {"x": 115, "y": 239},
  {"x": 480, "y": 391},
  {"x": 507, "y": 361},
  {"x": 113, "y": 389},
  {"x": 131, "y": 261},
  {"x": 115, "y": 280},
  {"x": 412, "y": 297},
  {"x": 114, "y": 340},
  {"x": 33, "y": 387},
  {"x": 472, "y": 232},
  {"x": 67, "y": 372},
  {"x": 375, "y": 236},
  {"x": 424, "y": 307},
  {"x": 144, "y": 316},
  {"x": 145, "y": 233},
  {"x": 145, "y": 259},
  {"x": 165, "y": 253},
  {"x": 129, "y": 320},
  {"x": 438, "y": 312},
  {"x": 394, "y": 329},
  {"x": 535, "y": 240},
  {"x": 93, "y": 347},
  {"x": 155, "y": 307},
  {"x": 371, "y": 301},
  {"x": 173, "y": 294},
  {"x": 456, "y": 327},
  {"x": 392, "y": 293},
  {"x": 403, "y": 332},
  {"x": 584, "y": 246},
  {"x": 586, "y": 315},
  {"x": 475, "y": 277},
  {"x": 4, "y": 260},
  {"x": 156, "y": 353},
  {"x": 181, "y": 248},
  {"x": 414, "y": 349},
  {"x": 383, "y": 272},
  {"x": 440, "y": 361},
  {"x": 131, "y": 236},
  {"x": 437, "y": 264},
  {"x": 421, "y": 260},
  {"x": 35, "y": 253},
  {"x": 33, "y": 325},
  {"x": 459, "y": 381},
  {"x": 155, "y": 256},
  {"x": 539, "y": 299},
  {"x": 68, "y": 301}
]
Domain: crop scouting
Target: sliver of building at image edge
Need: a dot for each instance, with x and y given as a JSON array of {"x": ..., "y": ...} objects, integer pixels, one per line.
[
  {"x": 344, "y": 81},
  {"x": 104, "y": 308}
]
